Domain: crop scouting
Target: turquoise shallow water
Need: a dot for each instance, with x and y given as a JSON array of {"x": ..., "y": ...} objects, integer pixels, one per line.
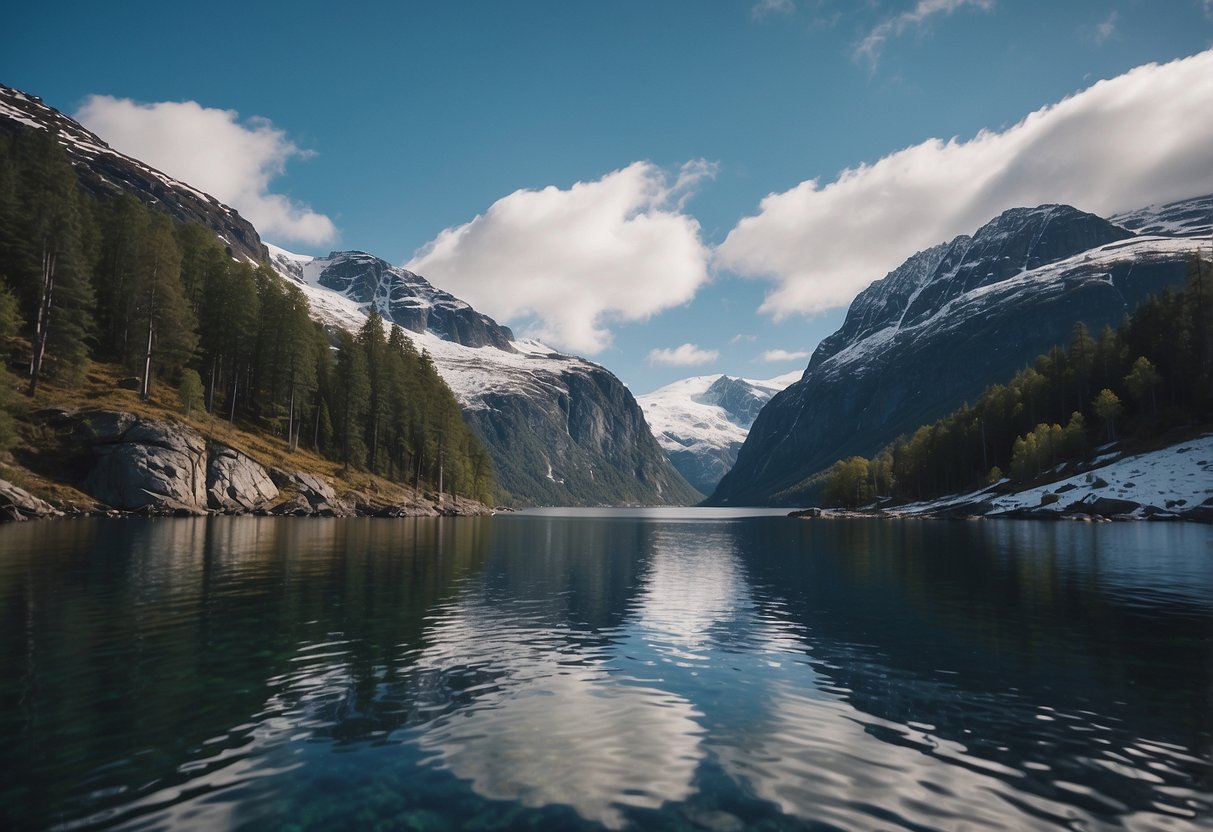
[{"x": 605, "y": 669}]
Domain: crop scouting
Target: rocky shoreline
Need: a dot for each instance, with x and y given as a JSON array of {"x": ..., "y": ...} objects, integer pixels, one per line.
[
  {"x": 130, "y": 465},
  {"x": 1101, "y": 510}
]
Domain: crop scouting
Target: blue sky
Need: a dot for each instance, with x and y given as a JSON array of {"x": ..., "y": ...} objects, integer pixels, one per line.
[{"x": 399, "y": 122}]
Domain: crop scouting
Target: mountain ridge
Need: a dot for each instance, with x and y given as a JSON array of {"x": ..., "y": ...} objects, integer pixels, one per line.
[{"x": 948, "y": 321}]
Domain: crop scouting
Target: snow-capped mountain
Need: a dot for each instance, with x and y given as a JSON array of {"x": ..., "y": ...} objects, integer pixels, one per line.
[
  {"x": 105, "y": 172},
  {"x": 701, "y": 422},
  {"x": 950, "y": 321},
  {"x": 561, "y": 430}
]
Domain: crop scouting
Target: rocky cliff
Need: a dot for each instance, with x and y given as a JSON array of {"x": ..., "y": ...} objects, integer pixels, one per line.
[{"x": 944, "y": 325}]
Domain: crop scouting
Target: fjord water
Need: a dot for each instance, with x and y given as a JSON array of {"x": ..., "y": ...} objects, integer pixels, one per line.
[{"x": 660, "y": 670}]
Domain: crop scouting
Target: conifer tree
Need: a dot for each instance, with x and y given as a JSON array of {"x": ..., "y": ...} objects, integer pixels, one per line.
[
  {"x": 168, "y": 329},
  {"x": 57, "y": 288},
  {"x": 352, "y": 392}
]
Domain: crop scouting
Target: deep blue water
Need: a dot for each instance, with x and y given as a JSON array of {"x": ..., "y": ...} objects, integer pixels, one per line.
[{"x": 564, "y": 670}]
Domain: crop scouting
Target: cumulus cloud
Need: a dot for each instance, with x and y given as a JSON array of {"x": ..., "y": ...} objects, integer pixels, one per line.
[
  {"x": 683, "y": 356},
  {"x": 214, "y": 151},
  {"x": 870, "y": 48},
  {"x": 571, "y": 261},
  {"x": 1137, "y": 139},
  {"x": 773, "y": 356}
]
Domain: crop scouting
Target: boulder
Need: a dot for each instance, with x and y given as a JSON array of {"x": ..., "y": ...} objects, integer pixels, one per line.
[
  {"x": 143, "y": 464},
  {"x": 1104, "y": 506},
  {"x": 317, "y": 494},
  {"x": 17, "y": 504},
  {"x": 235, "y": 483}
]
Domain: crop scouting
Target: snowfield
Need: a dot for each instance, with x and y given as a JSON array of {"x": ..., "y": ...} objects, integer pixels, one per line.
[
  {"x": 1167, "y": 481},
  {"x": 682, "y": 420}
]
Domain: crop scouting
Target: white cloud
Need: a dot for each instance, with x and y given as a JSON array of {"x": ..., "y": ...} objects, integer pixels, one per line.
[
  {"x": 1143, "y": 137},
  {"x": 1208, "y": 6},
  {"x": 1105, "y": 29},
  {"x": 767, "y": 7},
  {"x": 783, "y": 355},
  {"x": 683, "y": 356},
  {"x": 873, "y": 43},
  {"x": 741, "y": 336},
  {"x": 212, "y": 150},
  {"x": 572, "y": 261}
]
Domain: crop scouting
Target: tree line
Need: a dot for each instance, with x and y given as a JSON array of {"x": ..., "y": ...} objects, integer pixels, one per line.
[
  {"x": 1152, "y": 373},
  {"x": 85, "y": 279}
]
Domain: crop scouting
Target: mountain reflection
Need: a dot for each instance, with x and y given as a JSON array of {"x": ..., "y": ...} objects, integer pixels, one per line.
[{"x": 601, "y": 672}]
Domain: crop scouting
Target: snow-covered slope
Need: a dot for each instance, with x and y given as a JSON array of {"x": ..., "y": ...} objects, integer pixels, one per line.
[
  {"x": 949, "y": 322},
  {"x": 561, "y": 430},
  {"x": 1170, "y": 481},
  {"x": 701, "y": 422}
]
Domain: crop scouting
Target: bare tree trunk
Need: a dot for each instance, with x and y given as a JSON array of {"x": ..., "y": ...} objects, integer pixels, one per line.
[{"x": 43, "y": 323}]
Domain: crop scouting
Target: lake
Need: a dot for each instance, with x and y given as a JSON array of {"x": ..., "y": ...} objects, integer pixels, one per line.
[{"x": 663, "y": 669}]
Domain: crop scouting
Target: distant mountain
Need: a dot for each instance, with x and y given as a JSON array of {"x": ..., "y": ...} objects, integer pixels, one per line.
[
  {"x": 950, "y": 321},
  {"x": 560, "y": 429},
  {"x": 701, "y": 422},
  {"x": 104, "y": 172}
]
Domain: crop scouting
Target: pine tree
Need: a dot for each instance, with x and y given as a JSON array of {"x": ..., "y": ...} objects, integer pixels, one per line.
[
  {"x": 1107, "y": 407},
  {"x": 352, "y": 394},
  {"x": 169, "y": 331},
  {"x": 58, "y": 288}
]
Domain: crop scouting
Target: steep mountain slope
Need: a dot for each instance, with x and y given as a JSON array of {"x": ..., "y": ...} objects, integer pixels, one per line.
[
  {"x": 104, "y": 172},
  {"x": 701, "y": 422},
  {"x": 561, "y": 430},
  {"x": 945, "y": 324}
]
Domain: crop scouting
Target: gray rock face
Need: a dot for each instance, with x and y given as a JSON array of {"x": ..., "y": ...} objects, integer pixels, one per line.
[
  {"x": 408, "y": 299},
  {"x": 140, "y": 464},
  {"x": 314, "y": 497},
  {"x": 235, "y": 483},
  {"x": 17, "y": 504},
  {"x": 582, "y": 441},
  {"x": 939, "y": 329}
]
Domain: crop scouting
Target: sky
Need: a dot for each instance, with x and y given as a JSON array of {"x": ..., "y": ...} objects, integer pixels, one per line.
[{"x": 668, "y": 188}]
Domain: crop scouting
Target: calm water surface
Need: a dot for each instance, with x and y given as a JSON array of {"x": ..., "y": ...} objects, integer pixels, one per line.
[{"x": 569, "y": 670}]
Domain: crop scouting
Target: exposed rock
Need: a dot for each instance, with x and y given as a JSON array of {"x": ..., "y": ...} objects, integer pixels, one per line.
[
  {"x": 1104, "y": 506},
  {"x": 312, "y": 491},
  {"x": 235, "y": 483},
  {"x": 143, "y": 464},
  {"x": 17, "y": 504}
]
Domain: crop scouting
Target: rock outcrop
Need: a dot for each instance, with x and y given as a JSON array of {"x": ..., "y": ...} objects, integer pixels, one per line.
[
  {"x": 17, "y": 504},
  {"x": 144, "y": 465},
  {"x": 235, "y": 483}
]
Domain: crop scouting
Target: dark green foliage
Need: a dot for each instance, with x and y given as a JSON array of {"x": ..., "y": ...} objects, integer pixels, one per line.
[
  {"x": 118, "y": 282},
  {"x": 10, "y": 325},
  {"x": 1141, "y": 379},
  {"x": 49, "y": 242}
]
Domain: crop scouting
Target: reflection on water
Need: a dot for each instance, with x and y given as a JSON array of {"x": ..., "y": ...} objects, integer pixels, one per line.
[{"x": 599, "y": 669}]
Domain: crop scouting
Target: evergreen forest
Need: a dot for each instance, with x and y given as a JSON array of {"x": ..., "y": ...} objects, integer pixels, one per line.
[{"x": 85, "y": 280}]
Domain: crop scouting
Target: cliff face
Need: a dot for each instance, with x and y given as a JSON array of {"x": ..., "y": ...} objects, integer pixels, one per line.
[
  {"x": 939, "y": 329},
  {"x": 105, "y": 173}
]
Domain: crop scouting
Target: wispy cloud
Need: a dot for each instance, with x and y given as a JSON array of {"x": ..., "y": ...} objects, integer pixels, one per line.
[
  {"x": 772, "y": 356},
  {"x": 575, "y": 260},
  {"x": 213, "y": 150},
  {"x": 1105, "y": 29},
  {"x": 764, "y": 8},
  {"x": 870, "y": 48},
  {"x": 740, "y": 337},
  {"x": 683, "y": 356},
  {"x": 1137, "y": 139}
]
